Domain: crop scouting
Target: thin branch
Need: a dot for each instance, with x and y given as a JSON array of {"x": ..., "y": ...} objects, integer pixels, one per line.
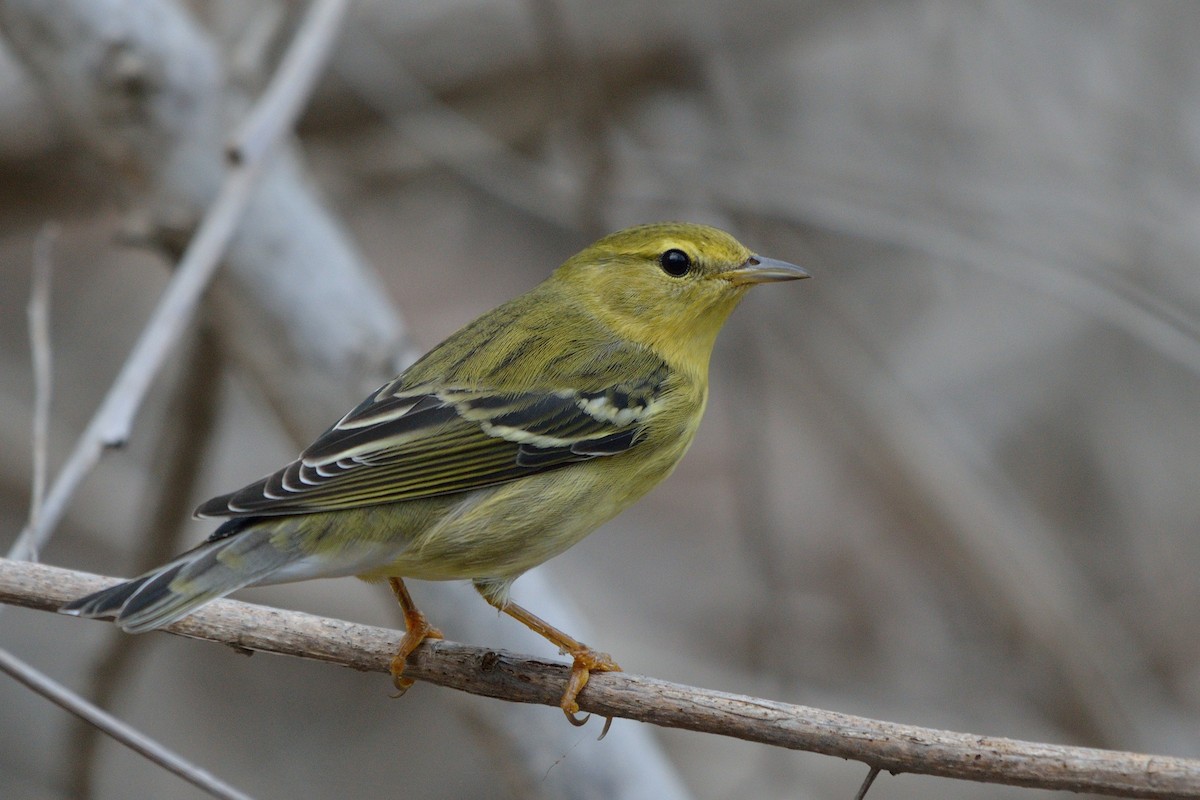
[
  {"x": 66, "y": 699},
  {"x": 496, "y": 673},
  {"x": 176, "y": 468},
  {"x": 292, "y": 83},
  {"x": 42, "y": 354},
  {"x": 113, "y": 421},
  {"x": 867, "y": 783}
]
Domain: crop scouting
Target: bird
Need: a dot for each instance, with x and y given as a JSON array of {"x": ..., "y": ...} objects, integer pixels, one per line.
[{"x": 500, "y": 448}]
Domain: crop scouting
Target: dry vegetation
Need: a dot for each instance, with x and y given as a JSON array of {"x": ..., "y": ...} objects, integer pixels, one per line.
[{"x": 951, "y": 481}]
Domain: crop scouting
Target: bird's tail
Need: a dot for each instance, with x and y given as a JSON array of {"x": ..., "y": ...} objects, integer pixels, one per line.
[{"x": 225, "y": 563}]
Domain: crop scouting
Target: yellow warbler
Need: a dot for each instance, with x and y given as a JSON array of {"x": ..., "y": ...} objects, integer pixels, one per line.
[{"x": 503, "y": 446}]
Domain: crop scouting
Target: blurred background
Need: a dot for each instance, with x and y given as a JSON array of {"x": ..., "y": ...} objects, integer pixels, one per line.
[{"x": 951, "y": 481}]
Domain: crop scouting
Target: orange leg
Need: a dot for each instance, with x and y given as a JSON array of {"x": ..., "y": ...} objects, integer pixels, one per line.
[
  {"x": 585, "y": 659},
  {"x": 417, "y": 630}
]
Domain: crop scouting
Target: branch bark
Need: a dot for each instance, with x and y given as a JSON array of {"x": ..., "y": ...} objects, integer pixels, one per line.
[{"x": 524, "y": 679}]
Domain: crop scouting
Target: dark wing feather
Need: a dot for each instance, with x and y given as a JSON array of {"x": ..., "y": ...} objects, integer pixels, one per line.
[{"x": 402, "y": 444}]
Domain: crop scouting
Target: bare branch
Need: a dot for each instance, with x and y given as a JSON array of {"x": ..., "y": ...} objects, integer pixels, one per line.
[
  {"x": 43, "y": 373},
  {"x": 292, "y": 84},
  {"x": 867, "y": 783},
  {"x": 131, "y": 738},
  {"x": 182, "y": 448},
  {"x": 500, "y": 674},
  {"x": 113, "y": 421}
]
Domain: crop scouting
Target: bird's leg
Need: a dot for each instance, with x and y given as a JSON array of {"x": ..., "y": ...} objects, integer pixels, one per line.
[
  {"x": 417, "y": 630},
  {"x": 585, "y": 659}
]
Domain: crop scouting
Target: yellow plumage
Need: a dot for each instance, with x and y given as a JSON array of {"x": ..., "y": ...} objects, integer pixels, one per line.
[{"x": 500, "y": 448}]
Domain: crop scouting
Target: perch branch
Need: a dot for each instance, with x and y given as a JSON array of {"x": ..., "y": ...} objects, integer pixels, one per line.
[{"x": 500, "y": 674}]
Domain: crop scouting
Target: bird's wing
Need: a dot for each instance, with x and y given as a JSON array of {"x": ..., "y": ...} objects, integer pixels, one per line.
[{"x": 422, "y": 441}]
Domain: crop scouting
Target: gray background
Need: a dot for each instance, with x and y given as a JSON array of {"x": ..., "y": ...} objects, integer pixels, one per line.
[{"x": 950, "y": 481}]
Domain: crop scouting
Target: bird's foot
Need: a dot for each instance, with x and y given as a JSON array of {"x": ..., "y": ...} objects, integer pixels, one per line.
[
  {"x": 585, "y": 662},
  {"x": 418, "y": 631}
]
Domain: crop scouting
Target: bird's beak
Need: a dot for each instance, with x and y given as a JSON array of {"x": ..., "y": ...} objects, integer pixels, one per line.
[{"x": 758, "y": 269}]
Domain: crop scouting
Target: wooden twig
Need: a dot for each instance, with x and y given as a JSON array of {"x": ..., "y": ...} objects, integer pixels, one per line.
[
  {"x": 131, "y": 738},
  {"x": 42, "y": 354},
  {"x": 868, "y": 781},
  {"x": 500, "y": 674}
]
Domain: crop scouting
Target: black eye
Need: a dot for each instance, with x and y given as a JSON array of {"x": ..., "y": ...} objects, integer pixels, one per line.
[{"x": 675, "y": 263}]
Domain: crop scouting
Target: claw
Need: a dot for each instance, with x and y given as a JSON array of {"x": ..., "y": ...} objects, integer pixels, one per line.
[
  {"x": 402, "y": 684},
  {"x": 580, "y": 672},
  {"x": 417, "y": 630},
  {"x": 604, "y": 730},
  {"x": 585, "y": 661}
]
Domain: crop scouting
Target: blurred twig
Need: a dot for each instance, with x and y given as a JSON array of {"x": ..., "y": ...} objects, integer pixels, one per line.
[
  {"x": 292, "y": 83},
  {"x": 113, "y": 421},
  {"x": 417, "y": 115},
  {"x": 492, "y": 673},
  {"x": 577, "y": 94},
  {"x": 757, "y": 528},
  {"x": 861, "y": 210},
  {"x": 111, "y": 424},
  {"x": 998, "y": 540},
  {"x": 191, "y": 413},
  {"x": 43, "y": 372},
  {"x": 131, "y": 738}
]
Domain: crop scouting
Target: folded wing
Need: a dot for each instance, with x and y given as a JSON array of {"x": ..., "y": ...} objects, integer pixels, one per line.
[{"x": 402, "y": 444}]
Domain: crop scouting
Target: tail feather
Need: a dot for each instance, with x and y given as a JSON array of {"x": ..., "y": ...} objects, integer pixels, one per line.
[{"x": 174, "y": 590}]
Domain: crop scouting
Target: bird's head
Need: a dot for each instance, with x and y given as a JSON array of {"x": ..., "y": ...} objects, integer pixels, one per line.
[{"x": 668, "y": 285}]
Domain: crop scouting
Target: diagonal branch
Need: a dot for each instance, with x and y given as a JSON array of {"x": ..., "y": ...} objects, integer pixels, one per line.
[
  {"x": 133, "y": 739},
  {"x": 112, "y": 422},
  {"x": 111, "y": 425},
  {"x": 293, "y": 81},
  {"x": 500, "y": 674}
]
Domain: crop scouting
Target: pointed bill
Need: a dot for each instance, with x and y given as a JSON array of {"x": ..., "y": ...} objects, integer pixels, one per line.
[{"x": 759, "y": 269}]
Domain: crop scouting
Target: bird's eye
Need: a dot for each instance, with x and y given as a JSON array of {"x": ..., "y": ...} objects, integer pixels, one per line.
[{"x": 675, "y": 263}]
